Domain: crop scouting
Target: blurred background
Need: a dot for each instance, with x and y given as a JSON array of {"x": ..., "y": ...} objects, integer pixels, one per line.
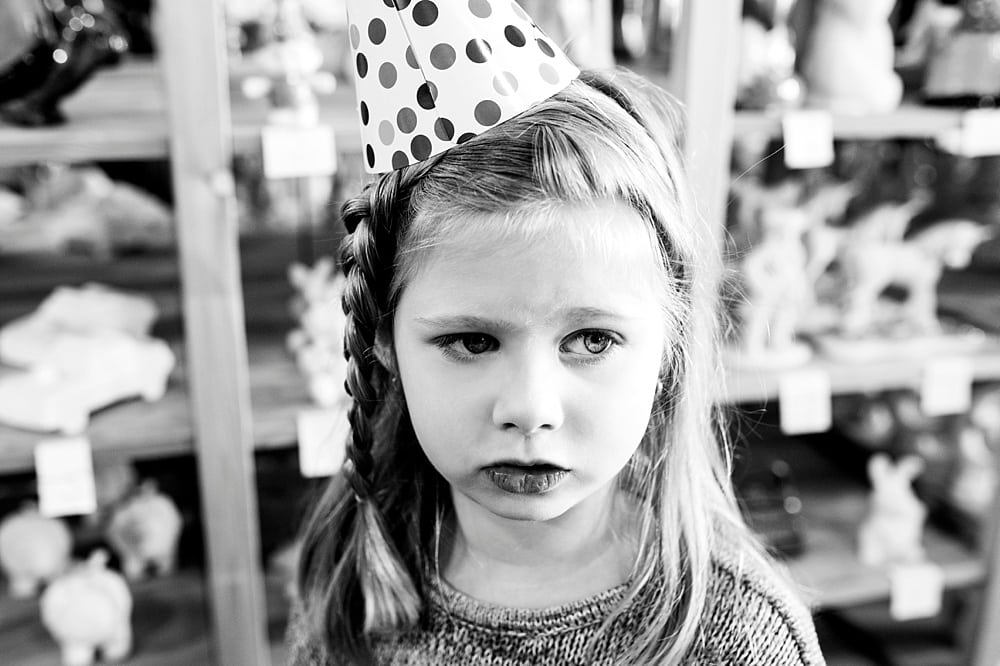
[{"x": 170, "y": 369}]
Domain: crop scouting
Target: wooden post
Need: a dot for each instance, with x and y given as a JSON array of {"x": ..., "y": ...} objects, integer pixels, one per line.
[
  {"x": 192, "y": 50},
  {"x": 704, "y": 78}
]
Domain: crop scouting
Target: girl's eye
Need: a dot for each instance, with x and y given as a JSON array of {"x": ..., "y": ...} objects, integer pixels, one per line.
[
  {"x": 591, "y": 343},
  {"x": 463, "y": 345}
]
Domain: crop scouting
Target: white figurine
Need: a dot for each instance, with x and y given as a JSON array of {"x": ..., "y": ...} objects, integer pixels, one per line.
[
  {"x": 914, "y": 264},
  {"x": 34, "y": 549},
  {"x": 891, "y": 532},
  {"x": 848, "y": 63},
  {"x": 91, "y": 307},
  {"x": 318, "y": 342},
  {"x": 776, "y": 290},
  {"x": 974, "y": 485},
  {"x": 89, "y": 609},
  {"x": 144, "y": 531},
  {"x": 80, "y": 374}
]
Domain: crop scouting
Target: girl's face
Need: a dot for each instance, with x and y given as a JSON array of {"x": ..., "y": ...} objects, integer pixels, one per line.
[{"x": 530, "y": 364}]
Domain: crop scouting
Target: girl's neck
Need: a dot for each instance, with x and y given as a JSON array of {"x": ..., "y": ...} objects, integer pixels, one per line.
[{"x": 534, "y": 564}]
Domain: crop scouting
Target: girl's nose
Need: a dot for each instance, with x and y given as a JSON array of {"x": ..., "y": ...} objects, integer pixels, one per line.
[{"x": 529, "y": 401}]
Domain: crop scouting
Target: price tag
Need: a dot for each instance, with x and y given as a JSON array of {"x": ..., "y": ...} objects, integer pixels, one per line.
[
  {"x": 298, "y": 152},
  {"x": 323, "y": 437},
  {"x": 65, "y": 472},
  {"x": 977, "y": 135},
  {"x": 805, "y": 401},
  {"x": 946, "y": 386},
  {"x": 808, "y": 136},
  {"x": 915, "y": 590}
]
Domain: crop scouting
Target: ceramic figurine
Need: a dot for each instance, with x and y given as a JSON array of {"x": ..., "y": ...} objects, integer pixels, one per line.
[
  {"x": 82, "y": 211},
  {"x": 914, "y": 264},
  {"x": 974, "y": 484},
  {"x": 89, "y": 308},
  {"x": 83, "y": 36},
  {"x": 283, "y": 565},
  {"x": 88, "y": 610},
  {"x": 766, "y": 76},
  {"x": 144, "y": 531},
  {"x": 291, "y": 70},
  {"x": 985, "y": 412},
  {"x": 113, "y": 482},
  {"x": 80, "y": 374},
  {"x": 34, "y": 549},
  {"x": 892, "y": 531},
  {"x": 773, "y": 273},
  {"x": 848, "y": 62},
  {"x": 318, "y": 341},
  {"x": 927, "y": 32},
  {"x": 964, "y": 69}
]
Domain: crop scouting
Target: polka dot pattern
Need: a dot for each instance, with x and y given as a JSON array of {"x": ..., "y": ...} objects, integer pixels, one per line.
[
  {"x": 433, "y": 74},
  {"x": 478, "y": 50}
]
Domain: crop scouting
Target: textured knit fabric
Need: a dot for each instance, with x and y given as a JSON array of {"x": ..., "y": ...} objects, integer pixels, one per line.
[{"x": 749, "y": 619}]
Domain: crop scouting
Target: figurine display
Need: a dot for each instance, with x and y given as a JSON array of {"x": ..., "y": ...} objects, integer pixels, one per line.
[
  {"x": 81, "y": 210},
  {"x": 773, "y": 508},
  {"x": 849, "y": 59},
  {"x": 89, "y": 610},
  {"x": 114, "y": 481},
  {"x": 290, "y": 67},
  {"x": 144, "y": 531},
  {"x": 80, "y": 374},
  {"x": 49, "y": 49},
  {"x": 766, "y": 76},
  {"x": 964, "y": 68},
  {"x": 914, "y": 264},
  {"x": 775, "y": 283},
  {"x": 34, "y": 549},
  {"x": 891, "y": 532},
  {"x": 85, "y": 309},
  {"x": 317, "y": 343}
]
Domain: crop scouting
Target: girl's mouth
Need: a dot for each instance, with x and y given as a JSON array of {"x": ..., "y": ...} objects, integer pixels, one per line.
[{"x": 525, "y": 479}]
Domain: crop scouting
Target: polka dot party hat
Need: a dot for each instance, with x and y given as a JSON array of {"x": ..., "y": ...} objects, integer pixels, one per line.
[{"x": 432, "y": 74}]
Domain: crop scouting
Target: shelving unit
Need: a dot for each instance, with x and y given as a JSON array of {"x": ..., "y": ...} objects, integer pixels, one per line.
[{"x": 231, "y": 395}]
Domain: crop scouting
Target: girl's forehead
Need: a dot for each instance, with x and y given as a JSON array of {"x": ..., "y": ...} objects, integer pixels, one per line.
[{"x": 610, "y": 231}]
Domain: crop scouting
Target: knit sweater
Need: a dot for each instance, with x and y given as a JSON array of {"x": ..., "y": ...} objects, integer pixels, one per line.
[{"x": 749, "y": 620}]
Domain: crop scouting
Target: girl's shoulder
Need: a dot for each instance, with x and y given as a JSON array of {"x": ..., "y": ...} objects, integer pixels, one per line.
[{"x": 754, "y": 613}]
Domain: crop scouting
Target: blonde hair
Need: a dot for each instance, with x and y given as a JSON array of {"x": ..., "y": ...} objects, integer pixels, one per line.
[{"x": 608, "y": 136}]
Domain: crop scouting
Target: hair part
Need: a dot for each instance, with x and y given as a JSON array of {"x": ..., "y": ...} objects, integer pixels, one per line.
[{"x": 606, "y": 137}]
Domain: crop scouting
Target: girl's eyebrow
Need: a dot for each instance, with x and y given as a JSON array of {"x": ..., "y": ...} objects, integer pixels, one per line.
[{"x": 573, "y": 315}]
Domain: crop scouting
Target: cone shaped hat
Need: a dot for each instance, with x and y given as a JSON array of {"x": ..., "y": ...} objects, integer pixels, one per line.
[{"x": 431, "y": 74}]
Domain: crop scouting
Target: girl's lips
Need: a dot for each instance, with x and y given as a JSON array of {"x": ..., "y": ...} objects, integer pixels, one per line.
[{"x": 525, "y": 479}]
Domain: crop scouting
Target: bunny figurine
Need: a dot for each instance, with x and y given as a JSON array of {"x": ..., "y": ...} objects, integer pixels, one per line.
[
  {"x": 87, "y": 609},
  {"x": 34, "y": 549},
  {"x": 891, "y": 532},
  {"x": 848, "y": 64},
  {"x": 144, "y": 530}
]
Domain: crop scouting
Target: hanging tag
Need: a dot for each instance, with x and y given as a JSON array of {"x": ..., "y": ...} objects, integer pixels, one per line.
[
  {"x": 323, "y": 437},
  {"x": 916, "y": 591},
  {"x": 977, "y": 135},
  {"x": 808, "y": 136},
  {"x": 805, "y": 401},
  {"x": 65, "y": 472},
  {"x": 946, "y": 386},
  {"x": 298, "y": 152}
]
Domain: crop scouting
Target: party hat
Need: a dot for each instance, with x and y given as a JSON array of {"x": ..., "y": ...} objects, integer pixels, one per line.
[{"x": 432, "y": 74}]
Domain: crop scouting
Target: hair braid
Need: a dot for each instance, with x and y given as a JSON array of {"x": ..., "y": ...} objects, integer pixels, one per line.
[{"x": 391, "y": 600}]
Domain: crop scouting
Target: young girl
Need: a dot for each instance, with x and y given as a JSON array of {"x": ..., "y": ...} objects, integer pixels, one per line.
[{"x": 535, "y": 474}]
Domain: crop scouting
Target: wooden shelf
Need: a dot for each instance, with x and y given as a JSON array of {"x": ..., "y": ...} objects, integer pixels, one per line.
[
  {"x": 830, "y": 571},
  {"x": 762, "y": 385},
  {"x": 140, "y": 430},
  {"x": 120, "y": 114},
  {"x": 169, "y": 623},
  {"x": 910, "y": 121}
]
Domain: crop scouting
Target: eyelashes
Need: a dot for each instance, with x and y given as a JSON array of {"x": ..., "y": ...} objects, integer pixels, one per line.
[{"x": 585, "y": 346}]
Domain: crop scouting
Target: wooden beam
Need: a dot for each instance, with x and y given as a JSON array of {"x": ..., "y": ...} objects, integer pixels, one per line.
[
  {"x": 706, "y": 58},
  {"x": 192, "y": 48}
]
